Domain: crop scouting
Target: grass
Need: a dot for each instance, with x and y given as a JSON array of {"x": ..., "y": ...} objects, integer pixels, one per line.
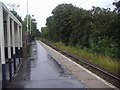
[{"x": 103, "y": 61}]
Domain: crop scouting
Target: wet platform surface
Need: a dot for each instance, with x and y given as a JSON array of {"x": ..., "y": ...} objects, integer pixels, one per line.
[
  {"x": 42, "y": 71},
  {"x": 91, "y": 80}
]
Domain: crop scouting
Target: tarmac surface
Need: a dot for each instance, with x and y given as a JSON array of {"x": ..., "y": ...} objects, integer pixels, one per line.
[{"x": 42, "y": 71}]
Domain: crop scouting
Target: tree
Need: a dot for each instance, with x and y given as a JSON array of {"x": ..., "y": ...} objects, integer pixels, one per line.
[
  {"x": 13, "y": 7},
  {"x": 61, "y": 16},
  {"x": 97, "y": 29},
  {"x": 34, "y": 31},
  {"x": 117, "y": 4},
  {"x": 16, "y": 15}
]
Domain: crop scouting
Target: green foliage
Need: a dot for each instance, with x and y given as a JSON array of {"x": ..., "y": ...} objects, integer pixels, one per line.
[
  {"x": 16, "y": 15},
  {"x": 117, "y": 4},
  {"x": 97, "y": 29},
  {"x": 101, "y": 60},
  {"x": 34, "y": 31},
  {"x": 44, "y": 31}
]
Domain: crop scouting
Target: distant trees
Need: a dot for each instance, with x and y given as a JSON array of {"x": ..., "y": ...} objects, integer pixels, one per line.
[
  {"x": 117, "y": 4},
  {"x": 13, "y": 8},
  {"x": 96, "y": 29},
  {"x": 16, "y": 15},
  {"x": 34, "y": 31}
]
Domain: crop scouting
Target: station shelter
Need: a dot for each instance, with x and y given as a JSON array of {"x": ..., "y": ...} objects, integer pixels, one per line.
[{"x": 10, "y": 45}]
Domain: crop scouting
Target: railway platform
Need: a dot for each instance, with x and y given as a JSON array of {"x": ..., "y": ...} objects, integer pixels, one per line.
[
  {"x": 88, "y": 78},
  {"x": 47, "y": 68},
  {"x": 43, "y": 71}
]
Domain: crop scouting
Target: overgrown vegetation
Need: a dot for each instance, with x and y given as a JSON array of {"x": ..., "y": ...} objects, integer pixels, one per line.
[
  {"x": 96, "y": 30},
  {"x": 100, "y": 60}
]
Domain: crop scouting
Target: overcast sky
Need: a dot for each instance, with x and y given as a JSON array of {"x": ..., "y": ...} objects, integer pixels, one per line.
[{"x": 41, "y": 9}]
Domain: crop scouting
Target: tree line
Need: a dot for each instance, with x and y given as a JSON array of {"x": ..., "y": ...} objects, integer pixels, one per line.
[{"x": 97, "y": 29}]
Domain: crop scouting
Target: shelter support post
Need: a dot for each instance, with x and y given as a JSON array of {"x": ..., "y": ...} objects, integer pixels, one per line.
[
  {"x": 9, "y": 47},
  {"x": 4, "y": 85},
  {"x": 13, "y": 45}
]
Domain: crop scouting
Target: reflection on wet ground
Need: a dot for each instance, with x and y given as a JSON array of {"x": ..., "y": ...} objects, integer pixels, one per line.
[{"x": 42, "y": 71}]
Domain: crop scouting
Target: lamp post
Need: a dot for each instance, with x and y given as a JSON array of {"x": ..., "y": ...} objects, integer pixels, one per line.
[
  {"x": 27, "y": 35},
  {"x": 31, "y": 23},
  {"x": 27, "y": 15}
]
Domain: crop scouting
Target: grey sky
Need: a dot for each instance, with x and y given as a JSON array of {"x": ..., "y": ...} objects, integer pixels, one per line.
[{"x": 41, "y": 9}]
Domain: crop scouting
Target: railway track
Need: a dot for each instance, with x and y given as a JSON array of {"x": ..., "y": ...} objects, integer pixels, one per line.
[{"x": 113, "y": 79}]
